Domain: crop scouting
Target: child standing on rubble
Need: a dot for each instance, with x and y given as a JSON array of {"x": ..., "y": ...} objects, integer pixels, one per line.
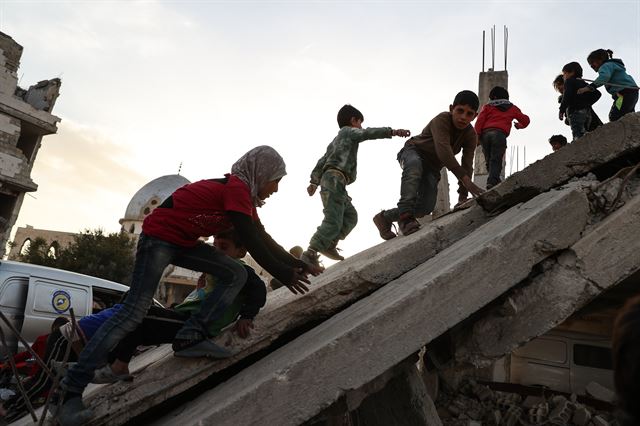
[
  {"x": 613, "y": 75},
  {"x": 422, "y": 158},
  {"x": 577, "y": 107},
  {"x": 171, "y": 235},
  {"x": 493, "y": 127},
  {"x": 333, "y": 172}
]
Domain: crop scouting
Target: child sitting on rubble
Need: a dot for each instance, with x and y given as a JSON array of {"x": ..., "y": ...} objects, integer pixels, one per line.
[
  {"x": 493, "y": 127},
  {"x": 333, "y": 172},
  {"x": 577, "y": 107},
  {"x": 422, "y": 158},
  {"x": 171, "y": 235}
]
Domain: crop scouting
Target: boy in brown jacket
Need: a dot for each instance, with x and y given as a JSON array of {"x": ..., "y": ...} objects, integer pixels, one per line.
[{"x": 422, "y": 158}]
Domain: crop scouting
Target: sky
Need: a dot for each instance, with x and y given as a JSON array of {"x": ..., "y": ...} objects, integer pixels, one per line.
[{"x": 152, "y": 86}]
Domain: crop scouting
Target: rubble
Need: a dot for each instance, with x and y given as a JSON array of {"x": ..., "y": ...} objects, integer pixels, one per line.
[{"x": 509, "y": 409}]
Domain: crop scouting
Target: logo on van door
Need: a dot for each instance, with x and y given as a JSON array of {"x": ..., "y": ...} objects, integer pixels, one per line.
[{"x": 61, "y": 301}]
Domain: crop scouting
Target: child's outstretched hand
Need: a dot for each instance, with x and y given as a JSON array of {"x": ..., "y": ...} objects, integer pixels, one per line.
[
  {"x": 298, "y": 281},
  {"x": 311, "y": 189},
  {"x": 401, "y": 132},
  {"x": 561, "y": 115},
  {"x": 243, "y": 327}
]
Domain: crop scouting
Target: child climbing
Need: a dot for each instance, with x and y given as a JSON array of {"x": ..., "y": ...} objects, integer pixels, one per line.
[
  {"x": 333, "y": 172},
  {"x": 613, "y": 75},
  {"x": 577, "y": 107},
  {"x": 493, "y": 127}
]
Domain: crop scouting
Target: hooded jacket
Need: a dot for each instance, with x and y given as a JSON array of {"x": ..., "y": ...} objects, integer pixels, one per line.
[
  {"x": 498, "y": 114},
  {"x": 613, "y": 71}
]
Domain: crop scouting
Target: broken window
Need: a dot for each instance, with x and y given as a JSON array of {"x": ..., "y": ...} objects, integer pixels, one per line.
[
  {"x": 28, "y": 143},
  {"x": 592, "y": 356}
]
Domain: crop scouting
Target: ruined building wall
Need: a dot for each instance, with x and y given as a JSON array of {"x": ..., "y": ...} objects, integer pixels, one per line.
[{"x": 25, "y": 117}]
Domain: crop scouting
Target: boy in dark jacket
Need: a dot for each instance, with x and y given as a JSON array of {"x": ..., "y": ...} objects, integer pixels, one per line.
[
  {"x": 493, "y": 127},
  {"x": 577, "y": 107}
]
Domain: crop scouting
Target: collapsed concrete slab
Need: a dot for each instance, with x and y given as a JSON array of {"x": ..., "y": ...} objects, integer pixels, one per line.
[
  {"x": 584, "y": 155},
  {"x": 338, "y": 287},
  {"x": 604, "y": 257},
  {"x": 357, "y": 345}
]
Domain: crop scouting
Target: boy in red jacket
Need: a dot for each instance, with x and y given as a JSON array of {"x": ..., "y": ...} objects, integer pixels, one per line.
[{"x": 493, "y": 126}]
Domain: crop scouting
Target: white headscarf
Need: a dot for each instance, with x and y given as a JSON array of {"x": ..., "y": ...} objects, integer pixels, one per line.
[{"x": 260, "y": 165}]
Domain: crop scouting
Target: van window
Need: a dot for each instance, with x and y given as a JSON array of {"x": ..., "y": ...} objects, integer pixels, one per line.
[
  {"x": 14, "y": 293},
  {"x": 542, "y": 349},
  {"x": 105, "y": 298},
  {"x": 592, "y": 356}
]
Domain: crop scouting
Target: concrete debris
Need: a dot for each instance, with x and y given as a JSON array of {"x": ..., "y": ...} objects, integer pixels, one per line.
[
  {"x": 509, "y": 409},
  {"x": 600, "y": 392}
]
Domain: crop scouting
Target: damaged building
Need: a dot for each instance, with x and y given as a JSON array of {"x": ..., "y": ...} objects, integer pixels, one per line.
[
  {"x": 548, "y": 252},
  {"x": 25, "y": 117}
]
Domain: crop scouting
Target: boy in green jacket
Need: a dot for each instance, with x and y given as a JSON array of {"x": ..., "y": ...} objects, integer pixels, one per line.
[{"x": 333, "y": 172}]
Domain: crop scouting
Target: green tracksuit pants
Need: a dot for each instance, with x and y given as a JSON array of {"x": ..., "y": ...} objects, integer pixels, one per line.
[{"x": 340, "y": 217}]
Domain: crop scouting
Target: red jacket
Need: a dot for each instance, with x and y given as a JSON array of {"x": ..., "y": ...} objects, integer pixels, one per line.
[{"x": 498, "y": 114}]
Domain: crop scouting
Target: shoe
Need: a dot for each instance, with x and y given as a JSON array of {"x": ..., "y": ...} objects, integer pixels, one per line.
[
  {"x": 106, "y": 375},
  {"x": 332, "y": 252},
  {"x": 203, "y": 349},
  {"x": 408, "y": 224},
  {"x": 311, "y": 257},
  {"x": 384, "y": 226},
  {"x": 73, "y": 413}
]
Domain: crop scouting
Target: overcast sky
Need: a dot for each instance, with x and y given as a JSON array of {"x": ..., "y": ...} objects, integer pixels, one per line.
[{"x": 147, "y": 86}]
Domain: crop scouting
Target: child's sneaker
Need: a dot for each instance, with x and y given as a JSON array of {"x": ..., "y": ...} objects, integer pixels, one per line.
[
  {"x": 311, "y": 257},
  {"x": 332, "y": 252},
  {"x": 408, "y": 224},
  {"x": 384, "y": 226}
]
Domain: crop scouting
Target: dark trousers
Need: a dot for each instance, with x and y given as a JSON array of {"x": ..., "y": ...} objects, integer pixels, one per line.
[
  {"x": 494, "y": 145},
  {"x": 158, "y": 327},
  {"x": 418, "y": 186},
  {"x": 152, "y": 257},
  {"x": 629, "y": 101}
]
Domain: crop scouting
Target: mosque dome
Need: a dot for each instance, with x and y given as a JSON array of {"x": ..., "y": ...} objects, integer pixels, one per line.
[{"x": 151, "y": 196}]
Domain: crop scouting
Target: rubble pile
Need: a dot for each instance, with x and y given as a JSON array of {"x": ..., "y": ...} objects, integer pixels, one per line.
[{"x": 474, "y": 404}]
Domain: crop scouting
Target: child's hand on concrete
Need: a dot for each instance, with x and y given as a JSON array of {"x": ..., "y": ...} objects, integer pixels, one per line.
[
  {"x": 401, "y": 132},
  {"x": 311, "y": 189},
  {"x": 298, "y": 280},
  {"x": 243, "y": 327},
  {"x": 561, "y": 115},
  {"x": 474, "y": 189}
]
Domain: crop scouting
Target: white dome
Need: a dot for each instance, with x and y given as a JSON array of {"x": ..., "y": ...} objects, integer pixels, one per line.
[{"x": 151, "y": 196}]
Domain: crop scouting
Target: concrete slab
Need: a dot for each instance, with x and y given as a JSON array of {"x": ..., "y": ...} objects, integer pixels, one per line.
[
  {"x": 568, "y": 283},
  {"x": 341, "y": 285},
  {"x": 352, "y": 348},
  {"x": 613, "y": 140}
]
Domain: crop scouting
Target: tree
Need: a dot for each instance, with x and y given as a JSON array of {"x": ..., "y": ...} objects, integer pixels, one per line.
[
  {"x": 110, "y": 257},
  {"x": 38, "y": 252},
  {"x": 105, "y": 256}
]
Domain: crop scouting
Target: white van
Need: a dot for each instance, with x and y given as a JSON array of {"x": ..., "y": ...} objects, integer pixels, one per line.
[
  {"x": 563, "y": 361},
  {"x": 32, "y": 296}
]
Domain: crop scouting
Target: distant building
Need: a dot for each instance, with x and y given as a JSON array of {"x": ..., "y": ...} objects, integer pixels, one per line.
[{"x": 25, "y": 117}]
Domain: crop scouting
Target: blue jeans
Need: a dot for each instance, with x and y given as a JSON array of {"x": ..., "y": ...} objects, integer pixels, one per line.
[
  {"x": 418, "y": 187},
  {"x": 152, "y": 257},
  {"x": 580, "y": 121},
  {"x": 494, "y": 145}
]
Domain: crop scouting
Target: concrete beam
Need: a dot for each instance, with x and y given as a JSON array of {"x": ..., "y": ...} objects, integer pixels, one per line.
[
  {"x": 338, "y": 287},
  {"x": 357, "y": 345},
  {"x": 611, "y": 141},
  {"x": 607, "y": 255}
]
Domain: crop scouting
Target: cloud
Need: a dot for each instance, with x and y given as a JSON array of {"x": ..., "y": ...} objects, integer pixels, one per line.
[{"x": 82, "y": 182}]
